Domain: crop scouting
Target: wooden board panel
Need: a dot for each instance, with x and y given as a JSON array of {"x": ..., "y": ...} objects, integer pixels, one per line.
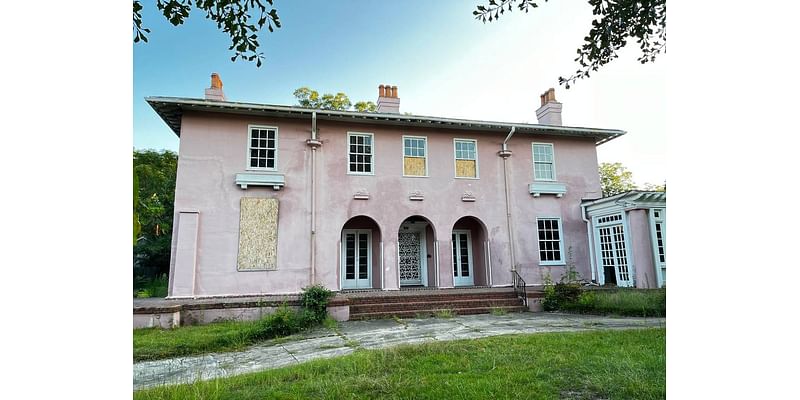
[
  {"x": 414, "y": 166},
  {"x": 258, "y": 234},
  {"x": 465, "y": 169}
]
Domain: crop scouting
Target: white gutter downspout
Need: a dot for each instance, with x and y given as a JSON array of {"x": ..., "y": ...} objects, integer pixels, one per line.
[
  {"x": 314, "y": 143},
  {"x": 590, "y": 242},
  {"x": 505, "y": 153}
]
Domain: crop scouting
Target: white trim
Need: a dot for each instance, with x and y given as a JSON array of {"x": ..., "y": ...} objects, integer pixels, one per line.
[
  {"x": 403, "y": 152},
  {"x": 250, "y": 140},
  {"x": 533, "y": 161},
  {"x": 357, "y": 281},
  {"x": 628, "y": 249},
  {"x": 626, "y": 230},
  {"x": 561, "y": 241},
  {"x": 459, "y": 281},
  {"x": 455, "y": 159},
  {"x": 383, "y": 283},
  {"x": 436, "y": 252},
  {"x": 489, "y": 263},
  {"x": 657, "y": 264},
  {"x": 372, "y": 154}
]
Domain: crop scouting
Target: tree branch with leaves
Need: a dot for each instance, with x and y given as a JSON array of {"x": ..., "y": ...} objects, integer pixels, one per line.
[
  {"x": 615, "y": 23},
  {"x": 234, "y": 17}
]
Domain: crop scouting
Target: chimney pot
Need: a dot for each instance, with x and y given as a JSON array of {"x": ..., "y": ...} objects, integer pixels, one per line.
[
  {"x": 215, "y": 91},
  {"x": 387, "y": 99},
  {"x": 550, "y": 111}
]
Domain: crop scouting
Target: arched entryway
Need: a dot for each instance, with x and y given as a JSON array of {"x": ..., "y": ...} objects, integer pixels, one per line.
[
  {"x": 416, "y": 249},
  {"x": 470, "y": 253},
  {"x": 360, "y": 261}
]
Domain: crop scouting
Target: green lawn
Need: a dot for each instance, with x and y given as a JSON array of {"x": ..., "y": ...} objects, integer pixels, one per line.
[
  {"x": 629, "y": 364},
  {"x": 156, "y": 343}
]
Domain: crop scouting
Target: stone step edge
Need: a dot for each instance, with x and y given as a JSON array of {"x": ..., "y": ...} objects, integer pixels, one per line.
[
  {"x": 464, "y": 311},
  {"x": 454, "y": 303},
  {"x": 436, "y": 297}
]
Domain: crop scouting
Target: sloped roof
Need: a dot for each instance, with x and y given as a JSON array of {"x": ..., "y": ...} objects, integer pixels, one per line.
[
  {"x": 170, "y": 109},
  {"x": 635, "y": 198}
]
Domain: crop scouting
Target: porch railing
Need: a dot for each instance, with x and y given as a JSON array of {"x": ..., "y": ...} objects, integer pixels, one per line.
[{"x": 519, "y": 287}]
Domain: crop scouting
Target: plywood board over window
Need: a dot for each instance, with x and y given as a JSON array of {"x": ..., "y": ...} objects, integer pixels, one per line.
[
  {"x": 466, "y": 156},
  {"x": 258, "y": 234},
  {"x": 414, "y": 166}
]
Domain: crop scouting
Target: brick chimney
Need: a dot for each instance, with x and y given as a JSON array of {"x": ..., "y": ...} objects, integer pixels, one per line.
[
  {"x": 215, "y": 91},
  {"x": 550, "y": 111},
  {"x": 388, "y": 102}
]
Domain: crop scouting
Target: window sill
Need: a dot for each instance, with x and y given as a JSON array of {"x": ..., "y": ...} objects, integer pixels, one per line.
[
  {"x": 415, "y": 176},
  {"x": 361, "y": 173},
  {"x": 467, "y": 177},
  {"x": 552, "y": 264},
  {"x": 547, "y": 187},
  {"x": 277, "y": 181}
]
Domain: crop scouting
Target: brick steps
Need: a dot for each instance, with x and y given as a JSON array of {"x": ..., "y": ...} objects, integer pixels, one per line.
[
  {"x": 410, "y": 305},
  {"x": 434, "y": 305},
  {"x": 418, "y": 313}
]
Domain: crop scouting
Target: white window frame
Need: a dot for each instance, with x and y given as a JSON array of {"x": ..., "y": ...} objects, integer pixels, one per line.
[
  {"x": 563, "y": 261},
  {"x": 455, "y": 159},
  {"x": 372, "y": 154},
  {"x": 623, "y": 220},
  {"x": 553, "y": 165},
  {"x": 403, "y": 152},
  {"x": 248, "y": 147}
]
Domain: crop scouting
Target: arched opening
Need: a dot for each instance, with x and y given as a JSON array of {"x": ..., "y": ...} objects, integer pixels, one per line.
[
  {"x": 360, "y": 261},
  {"x": 416, "y": 247},
  {"x": 470, "y": 242}
]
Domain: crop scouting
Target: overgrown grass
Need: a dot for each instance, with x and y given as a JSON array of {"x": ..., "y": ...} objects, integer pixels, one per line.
[
  {"x": 157, "y": 343},
  {"x": 627, "y": 302},
  {"x": 629, "y": 364},
  {"x": 150, "y": 287}
]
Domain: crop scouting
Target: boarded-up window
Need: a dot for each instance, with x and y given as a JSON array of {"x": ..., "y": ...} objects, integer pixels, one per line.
[
  {"x": 415, "y": 150},
  {"x": 466, "y": 158},
  {"x": 258, "y": 234}
]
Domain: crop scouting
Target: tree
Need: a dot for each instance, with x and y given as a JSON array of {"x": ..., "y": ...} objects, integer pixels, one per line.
[
  {"x": 310, "y": 98},
  {"x": 654, "y": 187},
  {"x": 615, "y": 22},
  {"x": 155, "y": 172},
  {"x": 234, "y": 17},
  {"x": 615, "y": 178}
]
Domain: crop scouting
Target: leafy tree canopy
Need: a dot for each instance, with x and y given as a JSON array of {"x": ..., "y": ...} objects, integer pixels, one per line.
[
  {"x": 155, "y": 174},
  {"x": 615, "y": 23},
  {"x": 310, "y": 98},
  {"x": 237, "y": 18},
  {"x": 615, "y": 178}
]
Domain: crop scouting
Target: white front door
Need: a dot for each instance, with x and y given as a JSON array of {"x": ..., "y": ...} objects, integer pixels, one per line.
[
  {"x": 356, "y": 259},
  {"x": 462, "y": 259},
  {"x": 614, "y": 255},
  {"x": 411, "y": 255}
]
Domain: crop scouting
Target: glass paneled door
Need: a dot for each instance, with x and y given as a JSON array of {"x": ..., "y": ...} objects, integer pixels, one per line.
[
  {"x": 462, "y": 259},
  {"x": 614, "y": 254},
  {"x": 356, "y": 258}
]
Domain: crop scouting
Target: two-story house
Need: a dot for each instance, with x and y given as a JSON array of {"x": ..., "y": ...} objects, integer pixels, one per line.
[{"x": 270, "y": 199}]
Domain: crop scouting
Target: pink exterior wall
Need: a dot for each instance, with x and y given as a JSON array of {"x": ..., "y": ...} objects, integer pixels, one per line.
[
  {"x": 213, "y": 149},
  {"x": 642, "y": 249}
]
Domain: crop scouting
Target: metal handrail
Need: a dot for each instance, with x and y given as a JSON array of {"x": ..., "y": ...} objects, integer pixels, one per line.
[{"x": 519, "y": 287}]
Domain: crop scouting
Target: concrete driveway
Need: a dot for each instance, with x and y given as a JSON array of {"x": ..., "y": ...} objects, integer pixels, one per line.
[{"x": 374, "y": 334}]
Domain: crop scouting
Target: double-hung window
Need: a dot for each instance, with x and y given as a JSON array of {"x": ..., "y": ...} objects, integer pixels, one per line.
[
  {"x": 360, "y": 153},
  {"x": 544, "y": 164},
  {"x": 551, "y": 241},
  {"x": 466, "y": 154},
  {"x": 415, "y": 156},
  {"x": 262, "y": 147}
]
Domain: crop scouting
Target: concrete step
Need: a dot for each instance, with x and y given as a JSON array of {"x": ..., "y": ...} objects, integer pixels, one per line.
[
  {"x": 433, "y": 305},
  {"x": 427, "y": 313},
  {"x": 425, "y": 297}
]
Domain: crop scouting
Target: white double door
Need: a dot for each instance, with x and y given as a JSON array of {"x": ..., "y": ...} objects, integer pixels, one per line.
[
  {"x": 462, "y": 259},
  {"x": 356, "y": 259}
]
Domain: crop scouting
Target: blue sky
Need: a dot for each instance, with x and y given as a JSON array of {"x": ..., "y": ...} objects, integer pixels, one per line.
[{"x": 443, "y": 61}]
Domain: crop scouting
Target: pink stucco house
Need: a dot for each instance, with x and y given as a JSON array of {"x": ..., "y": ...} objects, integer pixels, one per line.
[{"x": 270, "y": 199}]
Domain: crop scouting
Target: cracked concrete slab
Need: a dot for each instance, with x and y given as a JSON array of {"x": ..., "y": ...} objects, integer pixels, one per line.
[{"x": 372, "y": 334}]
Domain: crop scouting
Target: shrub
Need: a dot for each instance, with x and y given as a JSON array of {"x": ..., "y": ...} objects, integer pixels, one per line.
[
  {"x": 283, "y": 322},
  {"x": 314, "y": 299},
  {"x": 627, "y": 302}
]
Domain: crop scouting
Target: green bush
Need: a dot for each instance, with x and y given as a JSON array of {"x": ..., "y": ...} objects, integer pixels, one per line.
[
  {"x": 557, "y": 296},
  {"x": 283, "y": 322},
  {"x": 314, "y": 299},
  {"x": 627, "y": 302}
]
